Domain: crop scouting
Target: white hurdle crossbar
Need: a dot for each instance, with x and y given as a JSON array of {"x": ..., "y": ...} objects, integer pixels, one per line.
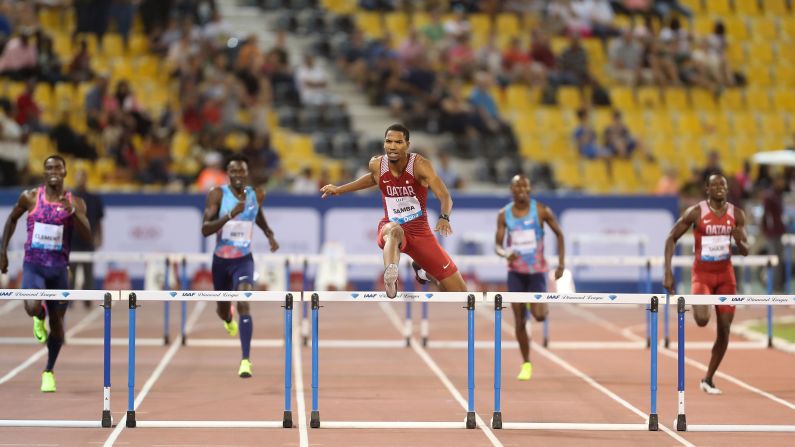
[
  {"x": 469, "y": 298},
  {"x": 497, "y": 299},
  {"x": 287, "y": 298},
  {"x": 106, "y": 297},
  {"x": 719, "y": 300}
]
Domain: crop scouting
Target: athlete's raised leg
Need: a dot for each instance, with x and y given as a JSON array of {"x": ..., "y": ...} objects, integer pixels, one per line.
[{"x": 393, "y": 236}]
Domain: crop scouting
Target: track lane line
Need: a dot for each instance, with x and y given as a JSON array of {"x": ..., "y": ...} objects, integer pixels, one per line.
[
  {"x": 508, "y": 328},
  {"x": 417, "y": 347}
]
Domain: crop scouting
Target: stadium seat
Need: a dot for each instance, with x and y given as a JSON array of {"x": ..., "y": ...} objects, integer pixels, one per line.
[
  {"x": 764, "y": 29},
  {"x": 569, "y": 98},
  {"x": 649, "y": 98},
  {"x": 689, "y": 123},
  {"x": 113, "y": 45},
  {"x": 747, "y": 7},
  {"x": 762, "y": 52},
  {"x": 736, "y": 27},
  {"x": 776, "y": 8},
  {"x": 702, "y": 99},
  {"x": 784, "y": 99},
  {"x": 758, "y": 99},
  {"x": 676, "y": 98},
  {"x": 40, "y": 147},
  {"x": 731, "y": 99},
  {"x": 370, "y": 24},
  {"x": 718, "y": 7},
  {"x": 787, "y": 24},
  {"x": 785, "y": 75},
  {"x": 744, "y": 124},
  {"x": 759, "y": 76},
  {"x": 773, "y": 124},
  {"x": 623, "y": 98}
]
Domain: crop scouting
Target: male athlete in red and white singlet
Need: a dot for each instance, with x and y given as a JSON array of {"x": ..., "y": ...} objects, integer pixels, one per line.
[
  {"x": 404, "y": 180},
  {"x": 715, "y": 223}
]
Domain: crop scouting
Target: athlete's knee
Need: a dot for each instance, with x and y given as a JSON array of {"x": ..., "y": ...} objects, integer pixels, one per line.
[
  {"x": 32, "y": 307},
  {"x": 539, "y": 311},
  {"x": 393, "y": 231}
]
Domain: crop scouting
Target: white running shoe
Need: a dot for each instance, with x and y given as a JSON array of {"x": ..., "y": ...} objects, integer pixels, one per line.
[
  {"x": 708, "y": 387},
  {"x": 390, "y": 280}
]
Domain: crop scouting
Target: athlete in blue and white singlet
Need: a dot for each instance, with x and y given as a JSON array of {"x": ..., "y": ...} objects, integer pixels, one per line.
[
  {"x": 53, "y": 213},
  {"x": 231, "y": 213},
  {"x": 520, "y": 240}
]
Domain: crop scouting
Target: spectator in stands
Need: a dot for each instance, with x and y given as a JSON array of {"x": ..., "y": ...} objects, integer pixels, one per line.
[
  {"x": 80, "y": 67},
  {"x": 156, "y": 159},
  {"x": 667, "y": 185},
  {"x": 585, "y": 137},
  {"x": 122, "y": 13},
  {"x": 712, "y": 168},
  {"x": 661, "y": 56},
  {"x": 414, "y": 91},
  {"x": 489, "y": 57},
  {"x": 458, "y": 25},
  {"x": 618, "y": 141},
  {"x": 28, "y": 111},
  {"x": 69, "y": 142},
  {"x": 573, "y": 63},
  {"x": 48, "y": 66},
  {"x": 131, "y": 108},
  {"x": 434, "y": 30},
  {"x": 773, "y": 226},
  {"x": 457, "y": 117},
  {"x": 312, "y": 81},
  {"x": 461, "y": 58},
  {"x": 516, "y": 62},
  {"x": 411, "y": 47},
  {"x": 304, "y": 184},
  {"x": 10, "y": 130},
  {"x": 664, "y": 9},
  {"x": 543, "y": 58},
  {"x": 212, "y": 174},
  {"x": 95, "y": 103},
  {"x": 626, "y": 59},
  {"x": 487, "y": 116},
  {"x": 352, "y": 57},
  {"x": 595, "y": 18},
  {"x": 18, "y": 60}
]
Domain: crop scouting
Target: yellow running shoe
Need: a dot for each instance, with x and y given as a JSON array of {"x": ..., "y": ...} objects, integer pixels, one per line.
[
  {"x": 231, "y": 327},
  {"x": 527, "y": 371},
  {"x": 47, "y": 382},
  {"x": 245, "y": 369},
  {"x": 39, "y": 331}
]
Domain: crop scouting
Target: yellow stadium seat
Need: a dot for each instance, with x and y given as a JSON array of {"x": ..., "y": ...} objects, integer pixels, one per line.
[
  {"x": 370, "y": 24},
  {"x": 702, "y": 99},
  {"x": 339, "y": 6},
  {"x": 419, "y": 19},
  {"x": 759, "y": 76},
  {"x": 569, "y": 97},
  {"x": 551, "y": 120},
  {"x": 676, "y": 98},
  {"x": 518, "y": 97},
  {"x": 784, "y": 99},
  {"x": 480, "y": 24},
  {"x": 773, "y": 124},
  {"x": 718, "y": 7},
  {"x": 688, "y": 123},
  {"x": 623, "y": 98},
  {"x": 663, "y": 148},
  {"x": 717, "y": 123},
  {"x": 703, "y": 25},
  {"x": 694, "y": 5},
  {"x": 736, "y": 27},
  {"x": 526, "y": 123},
  {"x": 660, "y": 123},
  {"x": 649, "y": 97},
  {"x": 507, "y": 24},
  {"x": 39, "y": 148},
  {"x": 764, "y": 29},
  {"x": 758, "y": 100},
  {"x": 736, "y": 54},
  {"x": 624, "y": 176},
  {"x": 568, "y": 173},
  {"x": 43, "y": 95},
  {"x": 747, "y": 7},
  {"x": 105, "y": 168},
  {"x": 776, "y": 8},
  {"x": 139, "y": 44},
  {"x": 634, "y": 121},
  {"x": 744, "y": 124},
  {"x": 762, "y": 52},
  {"x": 596, "y": 172},
  {"x": 787, "y": 25},
  {"x": 180, "y": 145},
  {"x": 745, "y": 146},
  {"x": 731, "y": 99},
  {"x": 785, "y": 75},
  {"x": 112, "y": 45},
  {"x": 398, "y": 25},
  {"x": 62, "y": 45}
]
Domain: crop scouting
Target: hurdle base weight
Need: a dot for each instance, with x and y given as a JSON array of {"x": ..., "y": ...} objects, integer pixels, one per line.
[
  {"x": 681, "y": 422},
  {"x": 107, "y": 420},
  {"x": 654, "y": 422},
  {"x": 470, "y": 421},
  {"x": 314, "y": 420},
  {"x": 287, "y": 419},
  {"x": 496, "y": 420},
  {"x": 131, "y": 419}
]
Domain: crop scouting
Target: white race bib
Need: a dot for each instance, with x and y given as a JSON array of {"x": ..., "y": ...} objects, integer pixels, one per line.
[
  {"x": 47, "y": 236},
  {"x": 238, "y": 232},
  {"x": 523, "y": 241},
  {"x": 403, "y": 209},
  {"x": 715, "y": 248}
]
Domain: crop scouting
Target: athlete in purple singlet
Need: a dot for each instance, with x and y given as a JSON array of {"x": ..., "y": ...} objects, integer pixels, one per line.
[{"x": 52, "y": 215}]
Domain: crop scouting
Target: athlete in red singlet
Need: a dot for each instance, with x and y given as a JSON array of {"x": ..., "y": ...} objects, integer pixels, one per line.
[
  {"x": 715, "y": 223},
  {"x": 404, "y": 180}
]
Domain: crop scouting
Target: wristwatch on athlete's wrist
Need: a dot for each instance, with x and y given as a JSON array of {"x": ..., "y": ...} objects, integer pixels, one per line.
[{"x": 445, "y": 217}]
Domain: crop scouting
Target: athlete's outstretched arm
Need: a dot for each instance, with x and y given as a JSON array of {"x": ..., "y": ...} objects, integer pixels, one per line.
[
  {"x": 739, "y": 234},
  {"x": 687, "y": 220},
  {"x": 211, "y": 221},
  {"x": 549, "y": 217},
  {"x": 19, "y": 209},
  {"x": 366, "y": 181},
  {"x": 263, "y": 223},
  {"x": 424, "y": 171},
  {"x": 499, "y": 238}
]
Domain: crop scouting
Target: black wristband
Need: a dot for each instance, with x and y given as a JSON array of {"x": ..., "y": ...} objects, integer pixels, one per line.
[{"x": 445, "y": 217}]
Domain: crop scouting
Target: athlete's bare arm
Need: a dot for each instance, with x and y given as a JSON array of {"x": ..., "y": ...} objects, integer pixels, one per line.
[
  {"x": 684, "y": 223},
  {"x": 424, "y": 172},
  {"x": 738, "y": 233},
  {"x": 23, "y": 205},
  {"x": 212, "y": 222},
  {"x": 366, "y": 181},
  {"x": 499, "y": 239},
  {"x": 81, "y": 220},
  {"x": 548, "y": 217},
  {"x": 262, "y": 223}
]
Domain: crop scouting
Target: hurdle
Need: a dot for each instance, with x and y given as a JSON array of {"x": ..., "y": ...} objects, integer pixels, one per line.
[
  {"x": 498, "y": 299},
  {"x": 134, "y": 296},
  {"x": 106, "y": 297},
  {"x": 468, "y": 298},
  {"x": 712, "y": 300}
]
